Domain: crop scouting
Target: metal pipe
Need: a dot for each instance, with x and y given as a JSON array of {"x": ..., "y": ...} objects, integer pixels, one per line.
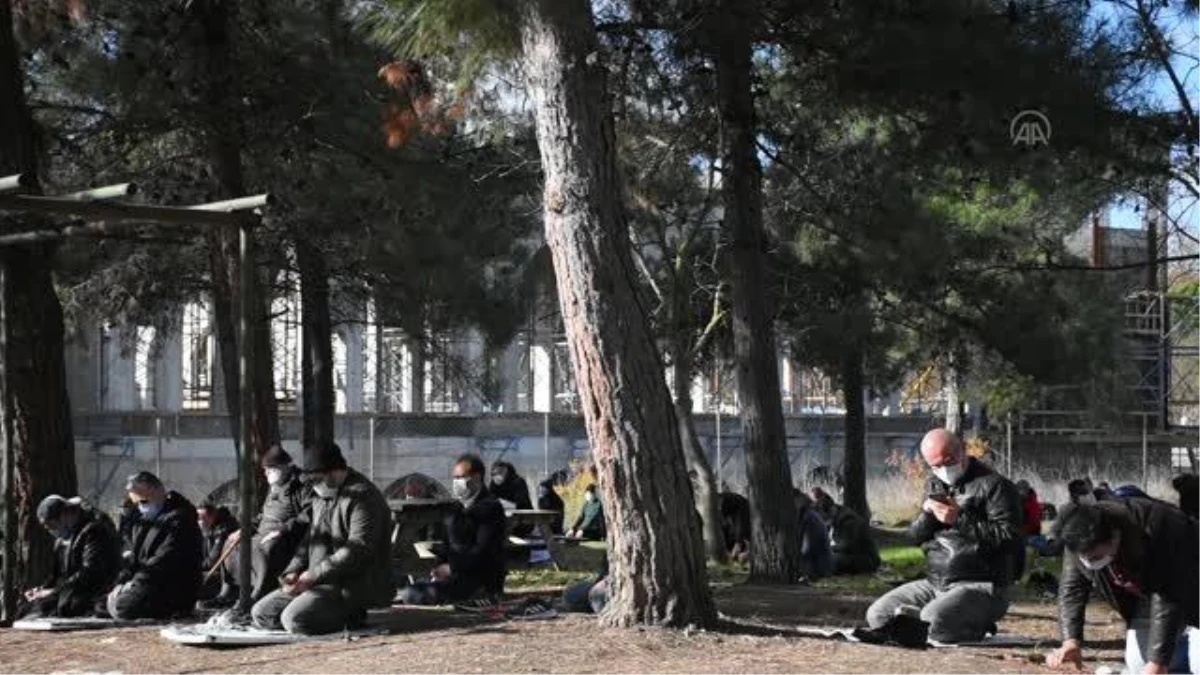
[
  {"x": 1008, "y": 444},
  {"x": 546, "y": 443},
  {"x": 100, "y": 193},
  {"x": 105, "y": 211},
  {"x": 15, "y": 182},
  {"x": 8, "y": 591},
  {"x": 239, "y": 204},
  {"x": 245, "y": 355}
]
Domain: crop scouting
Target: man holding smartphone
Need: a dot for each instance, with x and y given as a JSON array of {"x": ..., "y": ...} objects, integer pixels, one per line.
[{"x": 970, "y": 528}]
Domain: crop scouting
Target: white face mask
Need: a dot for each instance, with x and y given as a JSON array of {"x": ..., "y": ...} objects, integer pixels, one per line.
[
  {"x": 1096, "y": 563},
  {"x": 1086, "y": 499},
  {"x": 497, "y": 479},
  {"x": 460, "y": 488},
  {"x": 275, "y": 475},
  {"x": 949, "y": 474}
]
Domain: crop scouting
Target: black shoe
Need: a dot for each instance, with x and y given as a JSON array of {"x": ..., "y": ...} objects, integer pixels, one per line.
[
  {"x": 532, "y": 610},
  {"x": 227, "y": 598},
  {"x": 901, "y": 630},
  {"x": 356, "y": 620},
  {"x": 482, "y": 605}
]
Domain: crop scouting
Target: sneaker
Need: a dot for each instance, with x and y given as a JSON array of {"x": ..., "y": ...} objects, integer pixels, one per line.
[
  {"x": 483, "y": 605},
  {"x": 532, "y": 610}
]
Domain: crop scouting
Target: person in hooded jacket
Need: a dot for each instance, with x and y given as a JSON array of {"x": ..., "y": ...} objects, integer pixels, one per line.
[
  {"x": 548, "y": 500},
  {"x": 1141, "y": 556},
  {"x": 86, "y": 562},
  {"x": 510, "y": 488},
  {"x": 281, "y": 526},
  {"x": 472, "y": 564},
  {"x": 162, "y": 574},
  {"x": 970, "y": 526},
  {"x": 216, "y": 523},
  {"x": 854, "y": 551},
  {"x": 343, "y": 566}
]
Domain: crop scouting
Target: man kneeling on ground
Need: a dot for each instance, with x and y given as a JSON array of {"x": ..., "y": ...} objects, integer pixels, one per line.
[
  {"x": 854, "y": 551},
  {"x": 343, "y": 566},
  {"x": 163, "y": 573},
  {"x": 969, "y": 526},
  {"x": 87, "y": 559},
  {"x": 472, "y": 562},
  {"x": 1140, "y": 554}
]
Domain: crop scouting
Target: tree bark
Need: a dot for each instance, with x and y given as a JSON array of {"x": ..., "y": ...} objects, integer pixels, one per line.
[
  {"x": 43, "y": 441},
  {"x": 222, "y": 135},
  {"x": 317, "y": 404},
  {"x": 854, "y": 464},
  {"x": 775, "y": 546},
  {"x": 657, "y": 573}
]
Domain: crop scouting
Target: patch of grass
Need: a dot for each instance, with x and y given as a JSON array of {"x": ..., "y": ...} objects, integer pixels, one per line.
[{"x": 900, "y": 563}]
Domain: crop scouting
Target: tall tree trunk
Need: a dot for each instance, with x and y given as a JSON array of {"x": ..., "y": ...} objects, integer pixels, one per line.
[
  {"x": 222, "y": 135},
  {"x": 657, "y": 573},
  {"x": 43, "y": 441},
  {"x": 774, "y": 546},
  {"x": 704, "y": 483},
  {"x": 854, "y": 464},
  {"x": 317, "y": 406}
]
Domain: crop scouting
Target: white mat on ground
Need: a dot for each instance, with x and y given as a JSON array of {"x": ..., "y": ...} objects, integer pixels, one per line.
[
  {"x": 998, "y": 640},
  {"x": 61, "y": 625},
  {"x": 212, "y": 635}
]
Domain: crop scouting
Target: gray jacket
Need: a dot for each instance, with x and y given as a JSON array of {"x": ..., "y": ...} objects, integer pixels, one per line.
[
  {"x": 286, "y": 508},
  {"x": 348, "y": 544}
]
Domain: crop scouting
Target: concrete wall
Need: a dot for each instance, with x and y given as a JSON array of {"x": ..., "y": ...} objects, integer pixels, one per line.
[{"x": 193, "y": 453}]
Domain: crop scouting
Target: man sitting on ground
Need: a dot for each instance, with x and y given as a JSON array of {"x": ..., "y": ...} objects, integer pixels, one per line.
[
  {"x": 854, "y": 551},
  {"x": 87, "y": 559},
  {"x": 814, "y": 538},
  {"x": 282, "y": 525},
  {"x": 162, "y": 576},
  {"x": 735, "y": 525},
  {"x": 1188, "y": 487},
  {"x": 969, "y": 526},
  {"x": 590, "y": 523},
  {"x": 1140, "y": 555},
  {"x": 343, "y": 566},
  {"x": 472, "y": 563},
  {"x": 216, "y": 525}
]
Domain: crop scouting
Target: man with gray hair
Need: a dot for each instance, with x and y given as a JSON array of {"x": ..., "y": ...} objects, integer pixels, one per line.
[
  {"x": 163, "y": 573},
  {"x": 970, "y": 528}
]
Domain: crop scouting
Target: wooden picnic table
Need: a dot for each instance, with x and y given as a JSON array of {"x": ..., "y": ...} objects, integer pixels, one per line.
[
  {"x": 410, "y": 520},
  {"x": 542, "y": 522}
]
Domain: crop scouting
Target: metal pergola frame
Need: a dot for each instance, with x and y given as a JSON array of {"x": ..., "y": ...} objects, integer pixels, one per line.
[{"x": 102, "y": 217}]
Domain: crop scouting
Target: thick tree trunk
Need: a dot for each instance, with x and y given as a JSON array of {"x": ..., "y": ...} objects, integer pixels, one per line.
[
  {"x": 43, "y": 442},
  {"x": 774, "y": 546},
  {"x": 854, "y": 464},
  {"x": 223, "y": 139},
  {"x": 704, "y": 482},
  {"x": 657, "y": 573},
  {"x": 317, "y": 406}
]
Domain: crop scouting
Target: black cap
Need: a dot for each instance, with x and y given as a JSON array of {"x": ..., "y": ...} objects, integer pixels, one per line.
[
  {"x": 322, "y": 458},
  {"x": 276, "y": 457},
  {"x": 51, "y": 508}
]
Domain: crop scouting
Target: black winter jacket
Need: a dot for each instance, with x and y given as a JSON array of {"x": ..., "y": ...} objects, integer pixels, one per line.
[
  {"x": 1158, "y": 553},
  {"x": 166, "y": 555},
  {"x": 983, "y": 542},
  {"x": 216, "y": 536},
  {"x": 287, "y": 508},
  {"x": 476, "y": 542},
  {"x": 850, "y": 534},
  {"x": 87, "y": 565}
]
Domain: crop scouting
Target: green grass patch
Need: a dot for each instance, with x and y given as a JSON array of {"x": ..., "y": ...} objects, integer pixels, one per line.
[{"x": 899, "y": 563}]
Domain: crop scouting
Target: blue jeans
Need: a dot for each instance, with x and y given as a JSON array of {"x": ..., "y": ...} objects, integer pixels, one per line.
[
  {"x": 1186, "y": 658},
  {"x": 587, "y": 596}
]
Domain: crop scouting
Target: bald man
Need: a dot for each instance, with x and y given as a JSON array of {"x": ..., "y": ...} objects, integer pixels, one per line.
[{"x": 970, "y": 529}]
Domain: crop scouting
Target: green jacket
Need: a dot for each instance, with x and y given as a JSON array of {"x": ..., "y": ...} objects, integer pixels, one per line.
[{"x": 349, "y": 545}]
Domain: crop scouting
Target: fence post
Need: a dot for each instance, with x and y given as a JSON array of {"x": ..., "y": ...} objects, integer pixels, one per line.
[
  {"x": 158, "y": 446},
  {"x": 371, "y": 449},
  {"x": 1145, "y": 455},
  {"x": 546, "y": 443}
]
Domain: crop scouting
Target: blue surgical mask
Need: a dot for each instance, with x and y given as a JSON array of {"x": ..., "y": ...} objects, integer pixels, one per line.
[{"x": 149, "y": 510}]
